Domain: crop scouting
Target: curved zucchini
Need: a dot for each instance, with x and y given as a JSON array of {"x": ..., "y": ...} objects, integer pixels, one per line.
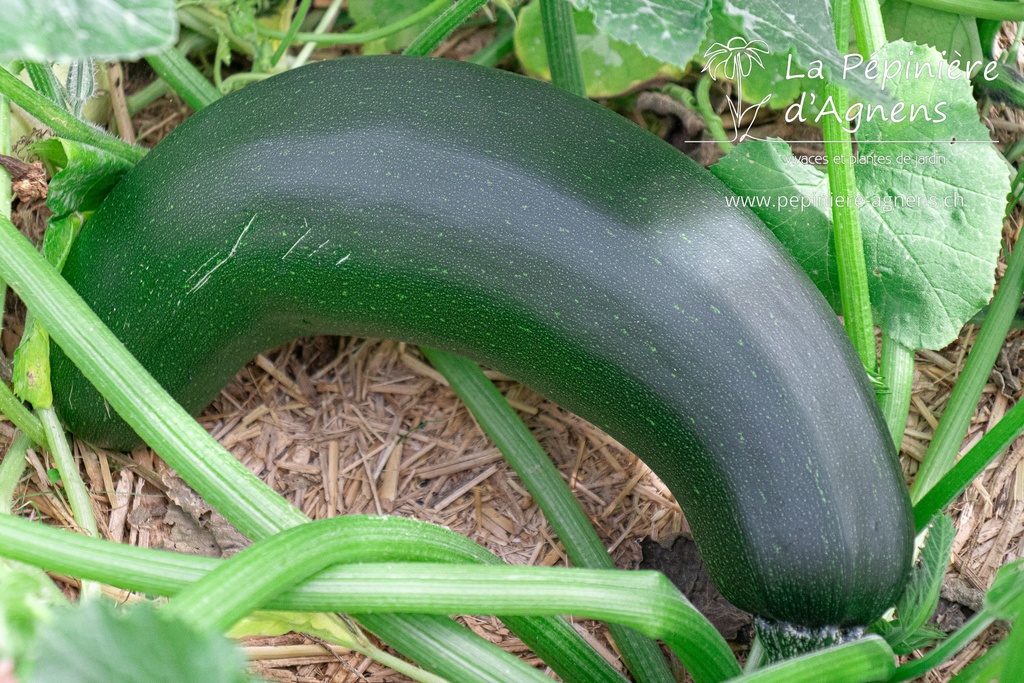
[{"x": 496, "y": 217}]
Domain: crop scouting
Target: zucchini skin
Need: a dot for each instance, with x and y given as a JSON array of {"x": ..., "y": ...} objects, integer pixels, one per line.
[{"x": 497, "y": 217}]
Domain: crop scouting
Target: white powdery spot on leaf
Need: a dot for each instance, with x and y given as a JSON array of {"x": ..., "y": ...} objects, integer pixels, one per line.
[
  {"x": 670, "y": 30},
  {"x": 809, "y": 35},
  {"x": 64, "y": 30}
]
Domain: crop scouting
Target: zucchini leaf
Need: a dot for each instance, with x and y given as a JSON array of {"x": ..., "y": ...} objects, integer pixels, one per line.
[
  {"x": 86, "y": 174},
  {"x": 803, "y": 29},
  {"x": 64, "y": 30},
  {"x": 1013, "y": 657},
  {"x": 669, "y": 31},
  {"x": 32, "y": 367},
  {"x": 134, "y": 645},
  {"x": 953, "y": 35},
  {"x": 610, "y": 66},
  {"x": 909, "y": 631},
  {"x": 907, "y": 173},
  {"x": 27, "y": 601},
  {"x": 373, "y": 14},
  {"x": 1005, "y": 598},
  {"x": 759, "y": 83}
]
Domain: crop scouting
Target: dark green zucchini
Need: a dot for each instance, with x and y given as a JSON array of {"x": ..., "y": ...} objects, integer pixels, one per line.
[{"x": 494, "y": 216}]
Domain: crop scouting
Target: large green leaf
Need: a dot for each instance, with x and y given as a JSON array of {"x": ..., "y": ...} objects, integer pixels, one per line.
[
  {"x": 610, "y": 66},
  {"x": 92, "y": 643},
  {"x": 953, "y": 35},
  {"x": 85, "y": 177},
  {"x": 673, "y": 30},
  {"x": 787, "y": 194},
  {"x": 1005, "y": 598},
  {"x": 799, "y": 27},
  {"x": 65, "y": 30},
  {"x": 669, "y": 31},
  {"x": 765, "y": 80},
  {"x": 27, "y": 600},
  {"x": 32, "y": 368},
  {"x": 909, "y": 631},
  {"x": 371, "y": 14},
  {"x": 931, "y": 212},
  {"x": 934, "y": 265}
]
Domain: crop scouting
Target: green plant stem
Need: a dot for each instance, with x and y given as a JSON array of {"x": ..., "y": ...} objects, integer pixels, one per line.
[
  {"x": 240, "y": 80},
  {"x": 293, "y": 30},
  {"x": 5, "y": 192},
  {"x": 62, "y": 122},
  {"x": 987, "y": 667},
  {"x": 325, "y": 24},
  {"x": 646, "y": 601},
  {"x": 46, "y": 84},
  {"x": 71, "y": 478},
  {"x": 369, "y": 538},
  {"x": 897, "y": 369},
  {"x": 351, "y": 38},
  {"x": 442, "y": 27},
  {"x": 190, "y": 42},
  {"x": 982, "y": 9},
  {"x": 851, "y": 266},
  {"x": 216, "y": 603},
  {"x": 545, "y": 484},
  {"x": 136, "y": 102},
  {"x": 643, "y": 599},
  {"x": 860, "y": 661},
  {"x": 495, "y": 51},
  {"x": 712, "y": 120},
  {"x": 755, "y": 657},
  {"x": 974, "y": 462},
  {"x": 22, "y": 417},
  {"x": 1016, "y": 151},
  {"x": 945, "y": 650},
  {"x": 213, "y": 27},
  {"x": 867, "y": 26},
  {"x": 74, "y": 488},
  {"x": 560, "y": 43},
  {"x": 11, "y": 468},
  {"x": 224, "y": 482},
  {"x": 963, "y": 401},
  {"x": 184, "y": 78}
]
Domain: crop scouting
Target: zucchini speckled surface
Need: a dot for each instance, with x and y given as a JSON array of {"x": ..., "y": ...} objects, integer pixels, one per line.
[{"x": 494, "y": 216}]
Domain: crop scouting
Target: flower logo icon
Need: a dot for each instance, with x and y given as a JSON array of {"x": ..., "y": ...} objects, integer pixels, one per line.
[{"x": 734, "y": 61}]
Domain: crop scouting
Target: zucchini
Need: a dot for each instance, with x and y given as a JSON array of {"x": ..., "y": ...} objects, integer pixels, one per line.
[{"x": 493, "y": 216}]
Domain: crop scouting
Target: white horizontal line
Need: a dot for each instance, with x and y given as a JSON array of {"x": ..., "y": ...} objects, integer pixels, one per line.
[{"x": 862, "y": 142}]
